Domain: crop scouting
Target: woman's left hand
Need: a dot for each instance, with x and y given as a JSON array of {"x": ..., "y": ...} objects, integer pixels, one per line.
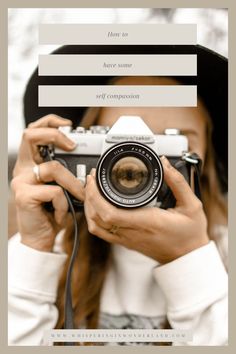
[{"x": 163, "y": 235}]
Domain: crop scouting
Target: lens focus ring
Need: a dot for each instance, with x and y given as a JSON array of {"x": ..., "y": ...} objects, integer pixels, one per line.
[{"x": 129, "y": 175}]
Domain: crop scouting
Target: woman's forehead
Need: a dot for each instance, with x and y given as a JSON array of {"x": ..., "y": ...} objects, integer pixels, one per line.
[{"x": 158, "y": 118}]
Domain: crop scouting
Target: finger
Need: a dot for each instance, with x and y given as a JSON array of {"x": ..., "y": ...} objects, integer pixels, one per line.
[
  {"x": 177, "y": 183},
  {"x": 51, "y": 121},
  {"x": 99, "y": 208},
  {"x": 45, "y": 136},
  {"x": 110, "y": 215},
  {"x": 31, "y": 195},
  {"x": 93, "y": 172},
  {"x": 60, "y": 205},
  {"x": 98, "y": 231},
  {"x": 99, "y": 228},
  {"x": 54, "y": 171},
  {"x": 91, "y": 213},
  {"x": 29, "y": 154}
]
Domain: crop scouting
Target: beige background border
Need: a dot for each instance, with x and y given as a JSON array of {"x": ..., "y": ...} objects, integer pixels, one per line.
[{"x": 3, "y": 171}]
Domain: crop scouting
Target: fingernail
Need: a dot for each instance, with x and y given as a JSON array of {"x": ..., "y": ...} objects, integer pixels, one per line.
[
  {"x": 88, "y": 178},
  {"x": 93, "y": 172},
  {"x": 165, "y": 161},
  {"x": 66, "y": 120},
  {"x": 71, "y": 143}
]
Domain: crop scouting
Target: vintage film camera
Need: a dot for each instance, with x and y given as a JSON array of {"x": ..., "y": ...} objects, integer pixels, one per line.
[{"x": 129, "y": 172}]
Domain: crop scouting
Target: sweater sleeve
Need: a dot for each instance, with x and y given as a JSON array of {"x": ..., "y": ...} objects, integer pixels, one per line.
[
  {"x": 196, "y": 287},
  {"x": 33, "y": 278}
]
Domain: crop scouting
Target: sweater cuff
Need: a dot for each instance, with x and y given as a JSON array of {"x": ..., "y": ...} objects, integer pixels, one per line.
[
  {"x": 193, "y": 278},
  {"x": 32, "y": 270}
]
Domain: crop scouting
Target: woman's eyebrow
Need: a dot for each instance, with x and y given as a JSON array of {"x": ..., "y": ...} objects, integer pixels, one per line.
[
  {"x": 183, "y": 131},
  {"x": 188, "y": 131}
]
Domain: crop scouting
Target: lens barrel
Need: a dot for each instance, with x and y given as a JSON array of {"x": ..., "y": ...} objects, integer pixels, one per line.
[{"x": 129, "y": 174}]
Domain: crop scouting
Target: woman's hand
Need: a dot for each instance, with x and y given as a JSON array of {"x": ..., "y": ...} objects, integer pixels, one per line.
[
  {"x": 38, "y": 227},
  {"x": 163, "y": 235}
]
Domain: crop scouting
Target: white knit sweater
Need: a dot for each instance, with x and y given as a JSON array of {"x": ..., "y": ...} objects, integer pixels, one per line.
[{"x": 191, "y": 292}]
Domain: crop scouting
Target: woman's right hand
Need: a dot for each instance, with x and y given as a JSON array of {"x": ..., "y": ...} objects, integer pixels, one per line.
[{"x": 38, "y": 227}]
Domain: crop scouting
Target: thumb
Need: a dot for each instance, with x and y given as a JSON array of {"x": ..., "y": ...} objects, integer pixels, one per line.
[
  {"x": 93, "y": 172},
  {"x": 177, "y": 183}
]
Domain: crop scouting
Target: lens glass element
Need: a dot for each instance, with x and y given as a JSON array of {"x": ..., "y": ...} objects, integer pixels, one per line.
[{"x": 129, "y": 175}]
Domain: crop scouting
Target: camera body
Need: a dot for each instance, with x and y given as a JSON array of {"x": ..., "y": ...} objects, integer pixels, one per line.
[{"x": 129, "y": 172}]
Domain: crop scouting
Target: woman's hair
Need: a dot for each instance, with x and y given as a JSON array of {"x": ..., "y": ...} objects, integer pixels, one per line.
[{"x": 93, "y": 258}]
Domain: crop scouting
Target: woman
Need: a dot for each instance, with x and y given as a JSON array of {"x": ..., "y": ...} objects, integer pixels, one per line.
[{"x": 160, "y": 269}]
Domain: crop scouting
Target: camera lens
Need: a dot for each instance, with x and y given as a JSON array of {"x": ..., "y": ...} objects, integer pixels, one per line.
[{"x": 129, "y": 174}]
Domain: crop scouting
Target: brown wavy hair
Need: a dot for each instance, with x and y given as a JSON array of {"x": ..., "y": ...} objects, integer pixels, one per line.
[{"x": 93, "y": 258}]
